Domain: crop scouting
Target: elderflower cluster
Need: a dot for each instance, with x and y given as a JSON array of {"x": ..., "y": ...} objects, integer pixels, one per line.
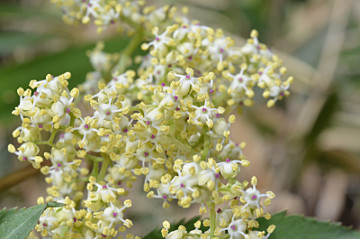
[
  {"x": 238, "y": 70},
  {"x": 236, "y": 218},
  {"x": 167, "y": 124},
  {"x": 133, "y": 13},
  {"x": 50, "y": 118}
]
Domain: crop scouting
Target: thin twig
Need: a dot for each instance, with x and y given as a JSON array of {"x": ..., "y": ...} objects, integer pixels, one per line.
[{"x": 16, "y": 177}]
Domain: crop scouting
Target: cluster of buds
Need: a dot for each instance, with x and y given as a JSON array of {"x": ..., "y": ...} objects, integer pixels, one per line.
[{"x": 168, "y": 123}]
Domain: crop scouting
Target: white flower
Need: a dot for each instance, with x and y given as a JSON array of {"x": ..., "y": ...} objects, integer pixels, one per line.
[
  {"x": 236, "y": 229},
  {"x": 252, "y": 197},
  {"x": 178, "y": 234},
  {"x": 113, "y": 214},
  {"x": 28, "y": 151},
  {"x": 229, "y": 169}
]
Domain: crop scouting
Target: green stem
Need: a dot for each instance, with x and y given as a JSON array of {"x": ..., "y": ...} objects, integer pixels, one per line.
[
  {"x": 43, "y": 142},
  {"x": 129, "y": 22},
  {"x": 129, "y": 50},
  {"x": 104, "y": 167},
  {"x": 50, "y": 140},
  {"x": 212, "y": 212},
  {"x": 223, "y": 190},
  {"x": 95, "y": 158},
  {"x": 52, "y": 136},
  {"x": 95, "y": 164},
  {"x": 72, "y": 120},
  {"x": 205, "y": 152},
  {"x": 95, "y": 169}
]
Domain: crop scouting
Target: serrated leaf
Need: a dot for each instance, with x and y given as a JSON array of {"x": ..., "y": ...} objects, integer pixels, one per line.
[
  {"x": 300, "y": 227},
  {"x": 156, "y": 233},
  {"x": 17, "y": 223}
]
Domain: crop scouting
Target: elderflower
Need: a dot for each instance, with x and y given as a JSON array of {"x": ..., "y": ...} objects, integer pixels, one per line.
[{"x": 168, "y": 121}]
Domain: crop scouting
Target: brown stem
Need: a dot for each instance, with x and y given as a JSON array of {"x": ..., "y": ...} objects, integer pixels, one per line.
[{"x": 16, "y": 177}]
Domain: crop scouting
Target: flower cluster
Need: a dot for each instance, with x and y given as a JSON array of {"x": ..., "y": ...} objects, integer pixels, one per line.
[
  {"x": 238, "y": 70},
  {"x": 133, "y": 13},
  {"x": 50, "y": 113},
  {"x": 168, "y": 123}
]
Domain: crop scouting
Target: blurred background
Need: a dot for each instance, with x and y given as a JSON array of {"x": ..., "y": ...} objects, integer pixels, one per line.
[{"x": 306, "y": 149}]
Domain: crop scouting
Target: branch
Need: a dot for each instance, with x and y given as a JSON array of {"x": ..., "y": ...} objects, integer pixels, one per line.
[{"x": 16, "y": 177}]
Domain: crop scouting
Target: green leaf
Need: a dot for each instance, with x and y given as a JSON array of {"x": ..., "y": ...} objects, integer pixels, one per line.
[
  {"x": 17, "y": 224},
  {"x": 156, "y": 233},
  {"x": 299, "y": 227}
]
